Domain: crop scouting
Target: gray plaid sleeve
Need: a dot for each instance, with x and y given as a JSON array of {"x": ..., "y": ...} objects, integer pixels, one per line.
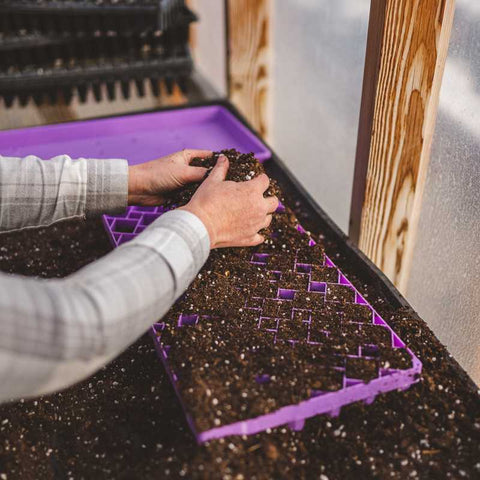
[
  {"x": 35, "y": 192},
  {"x": 57, "y": 332}
]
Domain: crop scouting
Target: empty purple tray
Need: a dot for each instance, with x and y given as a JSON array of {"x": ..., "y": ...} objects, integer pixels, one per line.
[
  {"x": 137, "y": 138},
  {"x": 124, "y": 228}
]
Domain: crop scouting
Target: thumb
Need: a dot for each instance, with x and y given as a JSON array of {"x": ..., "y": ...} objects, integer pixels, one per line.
[
  {"x": 195, "y": 174},
  {"x": 219, "y": 171}
]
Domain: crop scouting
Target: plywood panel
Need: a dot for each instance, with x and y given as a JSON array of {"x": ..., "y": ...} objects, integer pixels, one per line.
[
  {"x": 414, "y": 44},
  {"x": 249, "y": 60}
]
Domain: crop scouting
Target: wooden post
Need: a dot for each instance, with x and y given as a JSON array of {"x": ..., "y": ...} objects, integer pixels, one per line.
[
  {"x": 248, "y": 60},
  {"x": 406, "y": 51}
]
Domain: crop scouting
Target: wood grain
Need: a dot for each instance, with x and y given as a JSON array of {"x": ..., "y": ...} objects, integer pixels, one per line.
[
  {"x": 414, "y": 45},
  {"x": 371, "y": 71},
  {"x": 249, "y": 60}
]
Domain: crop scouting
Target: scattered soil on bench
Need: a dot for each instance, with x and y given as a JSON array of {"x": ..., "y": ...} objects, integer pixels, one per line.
[{"x": 125, "y": 422}]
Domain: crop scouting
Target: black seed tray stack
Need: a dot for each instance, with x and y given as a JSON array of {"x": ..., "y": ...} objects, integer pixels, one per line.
[
  {"x": 123, "y": 16},
  {"x": 100, "y": 44}
]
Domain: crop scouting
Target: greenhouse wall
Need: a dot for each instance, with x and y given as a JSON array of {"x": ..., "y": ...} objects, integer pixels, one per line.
[
  {"x": 318, "y": 60},
  {"x": 445, "y": 276}
]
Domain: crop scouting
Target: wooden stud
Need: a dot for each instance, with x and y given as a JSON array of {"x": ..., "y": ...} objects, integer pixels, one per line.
[
  {"x": 371, "y": 71},
  {"x": 248, "y": 62},
  {"x": 394, "y": 143}
]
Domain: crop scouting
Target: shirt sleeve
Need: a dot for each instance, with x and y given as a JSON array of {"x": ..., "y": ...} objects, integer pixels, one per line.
[
  {"x": 37, "y": 192},
  {"x": 57, "y": 332}
]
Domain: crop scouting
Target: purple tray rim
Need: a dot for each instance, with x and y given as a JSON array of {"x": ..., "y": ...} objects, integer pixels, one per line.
[
  {"x": 294, "y": 415},
  {"x": 72, "y": 130}
]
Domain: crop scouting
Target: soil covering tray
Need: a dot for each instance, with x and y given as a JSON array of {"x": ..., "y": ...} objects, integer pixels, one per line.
[
  {"x": 138, "y": 137},
  {"x": 271, "y": 335}
]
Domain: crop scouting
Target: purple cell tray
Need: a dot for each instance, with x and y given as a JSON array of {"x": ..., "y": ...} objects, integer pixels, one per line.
[
  {"x": 143, "y": 137},
  {"x": 137, "y": 138},
  {"x": 124, "y": 228}
]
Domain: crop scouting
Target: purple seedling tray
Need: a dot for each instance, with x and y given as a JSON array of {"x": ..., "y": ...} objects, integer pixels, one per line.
[
  {"x": 142, "y": 137},
  {"x": 137, "y": 138},
  {"x": 353, "y": 390}
]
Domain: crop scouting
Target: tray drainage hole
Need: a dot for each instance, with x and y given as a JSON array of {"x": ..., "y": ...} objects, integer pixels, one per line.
[
  {"x": 260, "y": 258},
  {"x": 124, "y": 226},
  {"x": 370, "y": 350},
  {"x": 304, "y": 267},
  {"x": 286, "y": 294},
  {"x": 148, "y": 218},
  {"x": 263, "y": 378},
  {"x": 187, "y": 320},
  {"x": 125, "y": 237},
  {"x": 318, "y": 287}
]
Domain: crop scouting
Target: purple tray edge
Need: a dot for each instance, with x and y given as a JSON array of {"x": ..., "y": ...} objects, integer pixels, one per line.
[
  {"x": 159, "y": 133},
  {"x": 295, "y": 415}
]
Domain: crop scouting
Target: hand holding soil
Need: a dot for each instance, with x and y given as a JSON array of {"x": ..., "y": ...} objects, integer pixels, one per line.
[
  {"x": 151, "y": 183},
  {"x": 233, "y": 212}
]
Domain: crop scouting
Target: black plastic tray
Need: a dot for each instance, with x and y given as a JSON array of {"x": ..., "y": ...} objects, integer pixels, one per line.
[
  {"x": 42, "y": 50},
  {"x": 90, "y": 15},
  {"x": 50, "y": 83}
]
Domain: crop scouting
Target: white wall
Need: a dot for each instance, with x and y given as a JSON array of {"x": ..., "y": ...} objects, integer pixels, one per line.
[
  {"x": 210, "y": 47},
  {"x": 444, "y": 285},
  {"x": 318, "y": 59}
]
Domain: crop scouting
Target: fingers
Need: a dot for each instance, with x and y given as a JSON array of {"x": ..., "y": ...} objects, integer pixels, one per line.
[
  {"x": 219, "y": 171},
  {"x": 257, "y": 239},
  {"x": 268, "y": 221},
  {"x": 261, "y": 182},
  {"x": 195, "y": 174},
  {"x": 272, "y": 204},
  {"x": 189, "y": 154}
]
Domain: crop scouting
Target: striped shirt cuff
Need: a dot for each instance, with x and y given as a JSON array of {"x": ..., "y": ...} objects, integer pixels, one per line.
[
  {"x": 107, "y": 186},
  {"x": 181, "y": 238}
]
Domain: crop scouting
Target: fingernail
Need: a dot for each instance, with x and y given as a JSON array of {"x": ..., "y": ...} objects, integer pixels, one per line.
[{"x": 222, "y": 159}]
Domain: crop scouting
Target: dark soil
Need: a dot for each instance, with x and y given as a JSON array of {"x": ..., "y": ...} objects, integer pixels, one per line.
[
  {"x": 219, "y": 353},
  {"x": 125, "y": 422},
  {"x": 242, "y": 167}
]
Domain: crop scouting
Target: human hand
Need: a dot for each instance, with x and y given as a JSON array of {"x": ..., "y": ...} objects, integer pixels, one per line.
[
  {"x": 150, "y": 183},
  {"x": 232, "y": 212}
]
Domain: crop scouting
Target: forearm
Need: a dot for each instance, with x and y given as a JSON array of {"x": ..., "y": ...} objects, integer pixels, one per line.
[
  {"x": 37, "y": 192},
  {"x": 58, "y": 332}
]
